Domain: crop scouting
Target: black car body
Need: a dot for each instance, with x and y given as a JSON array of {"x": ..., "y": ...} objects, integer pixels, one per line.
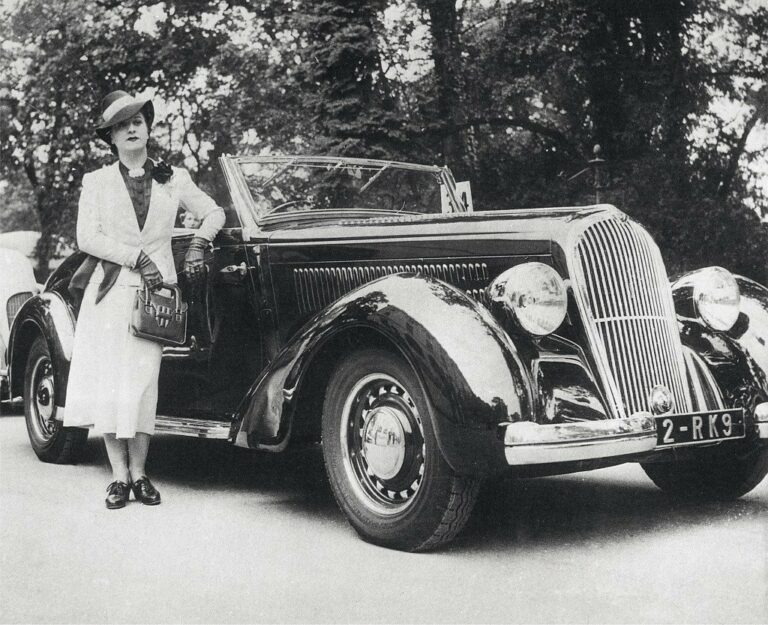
[{"x": 365, "y": 305}]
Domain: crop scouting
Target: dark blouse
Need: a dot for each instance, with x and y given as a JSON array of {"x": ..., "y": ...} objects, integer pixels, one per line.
[{"x": 140, "y": 190}]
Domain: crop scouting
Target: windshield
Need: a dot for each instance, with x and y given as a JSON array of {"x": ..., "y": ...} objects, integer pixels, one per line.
[{"x": 280, "y": 185}]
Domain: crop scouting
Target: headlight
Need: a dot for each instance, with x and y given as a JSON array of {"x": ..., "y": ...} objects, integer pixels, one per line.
[
  {"x": 535, "y": 295},
  {"x": 717, "y": 297}
]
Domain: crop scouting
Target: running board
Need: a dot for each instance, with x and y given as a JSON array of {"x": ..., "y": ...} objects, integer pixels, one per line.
[{"x": 198, "y": 428}]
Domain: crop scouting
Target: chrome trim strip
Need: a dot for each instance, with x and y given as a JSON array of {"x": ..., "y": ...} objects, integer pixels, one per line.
[
  {"x": 443, "y": 173},
  {"x": 573, "y": 452},
  {"x": 698, "y": 389},
  {"x": 530, "y": 443},
  {"x": 700, "y": 375},
  {"x": 567, "y": 358},
  {"x": 631, "y": 318},
  {"x": 173, "y": 352},
  {"x": 334, "y": 160},
  {"x": 238, "y": 191},
  {"x": 197, "y": 428}
]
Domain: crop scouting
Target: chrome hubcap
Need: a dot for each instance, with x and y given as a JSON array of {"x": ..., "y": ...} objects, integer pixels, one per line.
[{"x": 382, "y": 442}]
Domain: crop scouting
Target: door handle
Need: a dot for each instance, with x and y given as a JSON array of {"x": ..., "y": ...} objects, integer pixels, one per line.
[{"x": 242, "y": 269}]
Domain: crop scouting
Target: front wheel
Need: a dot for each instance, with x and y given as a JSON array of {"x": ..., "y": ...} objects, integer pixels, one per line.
[
  {"x": 713, "y": 474},
  {"x": 382, "y": 458},
  {"x": 50, "y": 440}
]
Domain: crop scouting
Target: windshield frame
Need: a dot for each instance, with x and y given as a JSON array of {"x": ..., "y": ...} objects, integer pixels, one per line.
[{"x": 239, "y": 186}]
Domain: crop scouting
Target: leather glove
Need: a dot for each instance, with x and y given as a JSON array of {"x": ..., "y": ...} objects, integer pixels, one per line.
[
  {"x": 149, "y": 272},
  {"x": 194, "y": 264}
]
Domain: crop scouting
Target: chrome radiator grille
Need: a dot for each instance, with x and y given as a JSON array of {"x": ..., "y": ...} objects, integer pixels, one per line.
[
  {"x": 626, "y": 303},
  {"x": 14, "y": 303}
]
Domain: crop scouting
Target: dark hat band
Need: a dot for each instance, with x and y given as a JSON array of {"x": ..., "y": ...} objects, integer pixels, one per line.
[{"x": 122, "y": 109}]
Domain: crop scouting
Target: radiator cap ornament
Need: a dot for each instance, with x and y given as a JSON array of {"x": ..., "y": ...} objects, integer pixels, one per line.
[{"x": 661, "y": 400}]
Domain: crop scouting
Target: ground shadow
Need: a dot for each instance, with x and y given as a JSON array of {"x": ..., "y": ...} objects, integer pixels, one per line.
[
  {"x": 589, "y": 506},
  {"x": 510, "y": 514},
  {"x": 292, "y": 479}
]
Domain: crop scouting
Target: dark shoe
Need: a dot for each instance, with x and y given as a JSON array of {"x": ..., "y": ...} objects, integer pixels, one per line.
[
  {"x": 145, "y": 492},
  {"x": 117, "y": 495}
]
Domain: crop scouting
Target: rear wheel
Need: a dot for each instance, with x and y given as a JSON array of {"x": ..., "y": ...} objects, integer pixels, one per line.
[
  {"x": 713, "y": 474},
  {"x": 50, "y": 440},
  {"x": 382, "y": 458}
]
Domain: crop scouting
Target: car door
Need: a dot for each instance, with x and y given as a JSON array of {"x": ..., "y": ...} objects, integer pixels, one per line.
[{"x": 209, "y": 375}]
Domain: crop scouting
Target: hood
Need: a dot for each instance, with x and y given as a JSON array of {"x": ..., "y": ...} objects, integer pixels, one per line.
[{"x": 553, "y": 225}]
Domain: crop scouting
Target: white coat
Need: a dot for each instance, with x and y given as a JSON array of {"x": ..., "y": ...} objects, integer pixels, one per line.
[{"x": 113, "y": 374}]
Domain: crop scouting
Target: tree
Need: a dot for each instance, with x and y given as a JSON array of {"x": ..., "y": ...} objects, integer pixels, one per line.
[
  {"x": 550, "y": 80},
  {"x": 512, "y": 94},
  {"x": 345, "y": 90},
  {"x": 66, "y": 56}
]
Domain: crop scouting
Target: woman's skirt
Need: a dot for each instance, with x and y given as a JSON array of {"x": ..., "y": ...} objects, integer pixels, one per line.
[{"x": 113, "y": 375}]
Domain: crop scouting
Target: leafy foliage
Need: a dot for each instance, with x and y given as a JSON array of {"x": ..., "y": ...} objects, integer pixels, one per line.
[
  {"x": 66, "y": 56},
  {"x": 511, "y": 94}
]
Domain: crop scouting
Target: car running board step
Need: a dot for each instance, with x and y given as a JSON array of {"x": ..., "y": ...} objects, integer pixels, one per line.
[{"x": 198, "y": 428}]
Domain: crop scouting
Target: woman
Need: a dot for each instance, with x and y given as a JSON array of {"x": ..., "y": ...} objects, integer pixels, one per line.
[{"x": 125, "y": 221}]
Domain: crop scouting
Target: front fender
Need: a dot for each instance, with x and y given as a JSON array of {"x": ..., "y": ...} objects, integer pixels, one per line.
[
  {"x": 466, "y": 363},
  {"x": 47, "y": 315},
  {"x": 737, "y": 359}
]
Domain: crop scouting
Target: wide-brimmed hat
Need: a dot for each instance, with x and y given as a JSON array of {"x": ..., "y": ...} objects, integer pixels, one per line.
[{"x": 119, "y": 106}]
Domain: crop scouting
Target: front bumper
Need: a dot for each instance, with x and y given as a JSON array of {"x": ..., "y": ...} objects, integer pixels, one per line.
[
  {"x": 761, "y": 420},
  {"x": 528, "y": 443}
]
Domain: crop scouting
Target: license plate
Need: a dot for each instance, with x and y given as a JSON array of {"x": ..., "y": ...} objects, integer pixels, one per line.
[{"x": 699, "y": 427}]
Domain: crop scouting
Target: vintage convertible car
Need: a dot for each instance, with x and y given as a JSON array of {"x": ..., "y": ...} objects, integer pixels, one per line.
[{"x": 366, "y": 305}]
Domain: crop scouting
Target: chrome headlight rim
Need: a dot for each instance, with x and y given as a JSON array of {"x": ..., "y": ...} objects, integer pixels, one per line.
[
  {"x": 534, "y": 294},
  {"x": 717, "y": 298}
]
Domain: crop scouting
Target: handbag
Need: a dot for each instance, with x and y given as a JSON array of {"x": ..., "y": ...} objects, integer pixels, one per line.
[{"x": 159, "y": 317}]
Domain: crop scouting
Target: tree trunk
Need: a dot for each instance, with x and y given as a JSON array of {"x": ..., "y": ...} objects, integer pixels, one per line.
[
  {"x": 732, "y": 168},
  {"x": 446, "y": 54},
  {"x": 45, "y": 244}
]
